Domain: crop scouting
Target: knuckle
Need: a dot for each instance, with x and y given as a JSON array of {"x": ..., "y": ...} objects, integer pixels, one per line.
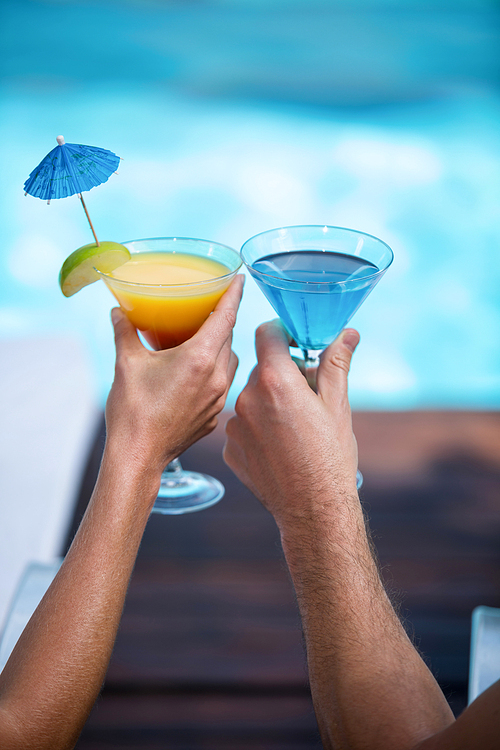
[
  {"x": 225, "y": 454},
  {"x": 340, "y": 360},
  {"x": 210, "y": 425},
  {"x": 230, "y": 428},
  {"x": 122, "y": 363},
  {"x": 219, "y": 386},
  {"x": 269, "y": 379},
  {"x": 228, "y": 456},
  {"x": 220, "y": 402},
  {"x": 229, "y": 316},
  {"x": 201, "y": 362},
  {"x": 240, "y": 409},
  {"x": 261, "y": 330}
]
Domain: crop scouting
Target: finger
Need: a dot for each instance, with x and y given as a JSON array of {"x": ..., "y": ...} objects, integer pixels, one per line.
[
  {"x": 229, "y": 377},
  {"x": 334, "y": 366},
  {"x": 308, "y": 371},
  {"x": 228, "y": 449},
  {"x": 219, "y": 325},
  {"x": 126, "y": 338},
  {"x": 233, "y": 294},
  {"x": 231, "y": 369},
  {"x": 234, "y": 455},
  {"x": 227, "y": 362},
  {"x": 300, "y": 364},
  {"x": 272, "y": 344},
  {"x": 252, "y": 379},
  {"x": 232, "y": 452}
]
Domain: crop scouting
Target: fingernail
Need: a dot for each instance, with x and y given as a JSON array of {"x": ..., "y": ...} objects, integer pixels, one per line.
[
  {"x": 350, "y": 339},
  {"x": 116, "y": 315}
]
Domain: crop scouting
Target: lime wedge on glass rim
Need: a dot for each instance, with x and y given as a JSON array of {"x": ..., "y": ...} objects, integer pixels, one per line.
[{"x": 78, "y": 271}]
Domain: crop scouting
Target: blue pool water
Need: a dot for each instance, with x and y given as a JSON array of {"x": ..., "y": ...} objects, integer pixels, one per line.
[
  {"x": 233, "y": 118},
  {"x": 307, "y": 291}
]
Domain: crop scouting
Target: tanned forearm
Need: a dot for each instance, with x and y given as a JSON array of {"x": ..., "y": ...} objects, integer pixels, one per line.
[
  {"x": 370, "y": 687},
  {"x": 371, "y": 690},
  {"x": 54, "y": 675},
  {"x": 160, "y": 403}
]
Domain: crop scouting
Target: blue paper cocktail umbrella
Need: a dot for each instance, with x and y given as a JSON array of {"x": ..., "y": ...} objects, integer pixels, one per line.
[{"x": 71, "y": 169}]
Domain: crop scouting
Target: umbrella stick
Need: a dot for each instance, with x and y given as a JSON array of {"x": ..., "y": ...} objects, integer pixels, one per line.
[{"x": 88, "y": 217}]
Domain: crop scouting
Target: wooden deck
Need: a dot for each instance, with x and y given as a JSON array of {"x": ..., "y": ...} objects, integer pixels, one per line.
[{"x": 210, "y": 653}]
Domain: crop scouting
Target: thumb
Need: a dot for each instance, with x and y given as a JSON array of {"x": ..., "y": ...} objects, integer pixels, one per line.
[
  {"x": 126, "y": 338},
  {"x": 335, "y": 364}
]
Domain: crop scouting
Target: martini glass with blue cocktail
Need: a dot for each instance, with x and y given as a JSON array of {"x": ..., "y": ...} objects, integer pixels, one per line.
[{"x": 316, "y": 277}]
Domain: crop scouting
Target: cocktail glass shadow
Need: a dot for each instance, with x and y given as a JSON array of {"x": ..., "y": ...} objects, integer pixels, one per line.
[
  {"x": 316, "y": 277},
  {"x": 167, "y": 315}
]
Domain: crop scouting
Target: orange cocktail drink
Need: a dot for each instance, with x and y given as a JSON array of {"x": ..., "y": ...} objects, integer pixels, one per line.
[{"x": 170, "y": 286}]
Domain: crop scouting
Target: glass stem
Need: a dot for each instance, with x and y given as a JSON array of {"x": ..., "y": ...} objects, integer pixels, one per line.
[
  {"x": 173, "y": 476},
  {"x": 174, "y": 467},
  {"x": 311, "y": 364}
]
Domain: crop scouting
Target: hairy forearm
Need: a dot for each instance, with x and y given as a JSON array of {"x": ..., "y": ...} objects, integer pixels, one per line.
[
  {"x": 370, "y": 687},
  {"x": 57, "y": 668}
]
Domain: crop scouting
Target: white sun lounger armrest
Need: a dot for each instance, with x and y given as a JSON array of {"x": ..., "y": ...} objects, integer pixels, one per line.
[
  {"x": 49, "y": 415},
  {"x": 34, "y": 583},
  {"x": 485, "y": 650}
]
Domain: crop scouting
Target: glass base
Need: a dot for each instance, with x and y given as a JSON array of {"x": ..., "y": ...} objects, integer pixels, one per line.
[{"x": 187, "y": 493}]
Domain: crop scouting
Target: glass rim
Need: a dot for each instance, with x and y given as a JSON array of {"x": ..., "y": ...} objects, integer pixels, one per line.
[
  {"x": 379, "y": 271},
  {"x": 184, "y": 284}
]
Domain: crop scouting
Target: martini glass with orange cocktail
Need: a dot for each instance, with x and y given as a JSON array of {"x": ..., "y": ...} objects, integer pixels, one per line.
[{"x": 167, "y": 289}]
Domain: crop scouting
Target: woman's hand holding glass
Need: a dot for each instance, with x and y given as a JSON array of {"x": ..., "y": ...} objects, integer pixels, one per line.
[{"x": 161, "y": 402}]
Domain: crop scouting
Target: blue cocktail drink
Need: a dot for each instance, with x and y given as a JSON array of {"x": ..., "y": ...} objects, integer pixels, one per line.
[
  {"x": 308, "y": 291},
  {"x": 316, "y": 277}
]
